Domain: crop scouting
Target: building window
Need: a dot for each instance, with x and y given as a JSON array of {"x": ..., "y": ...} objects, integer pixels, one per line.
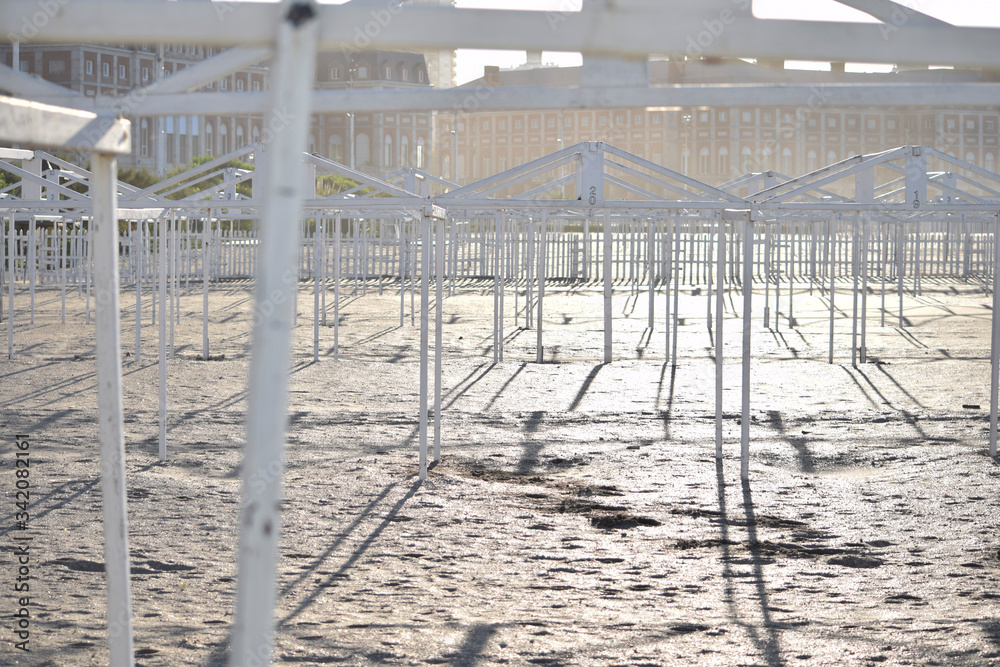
[
  {"x": 746, "y": 158},
  {"x": 57, "y": 67},
  {"x": 388, "y": 72},
  {"x": 334, "y": 74},
  {"x": 420, "y": 153},
  {"x": 90, "y": 67},
  {"x": 620, "y": 119},
  {"x": 501, "y": 125},
  {"x": 106, "y": 69},
  {"x": 872, "y": 124},
  {"x": 990, "y": 125},
  {"x": 551, "y": 123},
  {"x": 831, "y": 157},
  {"x": 685, "y": 158},
  {"x": 768, "y": 117},
  {"x": 568, "y": 122},
  {"x": 362, "y": 71},
  {"x": 813, "y": 122},
  {"x": 209, "y": 140},
  {"x": 420, "y": 75},
  {"x": 703, "y": 117},
  {"x": 335, "y": 148},
  {"x": 517, "y": 124},
  {"x": 988, "y": 162},
  {"x": 703, "y": 161},
  {"x": 256, "y": 86},
  {"x": 145, "y": 74},
  {"x": 224, "y": 84},
  {"x": 240, "y": 143},
  {"x": 404, "y": 151},
  {"x": 747, "y": 117},
  {"x": 362, "y": 150},
  {"x": 223, "y": 139},
  {"x": 602, "y": 121},
  {"x": 637, "y": 119},
  {"x": 387, "y": 154},
  {"x": 765, "y": 159},
  {"x": 786, "y": 160},
  {"x": 585, "y": 121},
  {"x": 534, "y": 123},
  {"x": 486, "y": 126},
  {"x": 812, "y": 161},
  {"x": 239, "y": 85},
  {"x": 211, "y": 85},
  {"x": 723, "y": 160},
  {"x": 890, "y": 124},
  {"x": 404, "y": 73},
  {"x": 144, "y": 137},
  {"x": 852, "y": 123},
  {"x": 831, "y": 122},
  {"x": 970, "y": 124},
  {"x": 657, "y": 118},
  {"x": 121, "y": 72}
]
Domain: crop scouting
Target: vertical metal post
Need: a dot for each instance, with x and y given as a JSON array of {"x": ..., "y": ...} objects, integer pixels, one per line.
[
  {"x": 855, "y": 259},
  {"x": 161, "y": 248},
  {"x": 543, "y": 233},
  {"x": 668, "y": 280},
  {"x": 137, "y": 249},
  {"x": 833, "y": 266},
  {"x": 864, "y": 290},
  {"x": 496, "y": 291},
  {"x": 317, "y": 262},
  {"x": 651, "y": 269},
  {"x": 337, "y": 242},
  {"x": 677, "y": 288},
  {"x": 11, "y": 246},
  {"x": 425, "y": 242},
  {"x": 501, "y": 268},
  {"x": 31, "y": 266},
  {"x": 721, "y": 270},
  {"x": 292, "y": 80},
  {"x": 63, "y": 260},
  {"x": 995, "y": 339},
  {"x": 900, "y": 258},
  {"x": 403, "y": 266},
  {"x": 438, "y": 326},
  {"x": 607, "y": 287},
  {"x": 206, "y": 233},
  {"x": 747, "y": 307},
  {"x": 104, "y": 219}
]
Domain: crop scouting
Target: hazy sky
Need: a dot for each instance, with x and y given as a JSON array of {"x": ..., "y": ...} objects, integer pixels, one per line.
[{"x": 958, "y": 12}]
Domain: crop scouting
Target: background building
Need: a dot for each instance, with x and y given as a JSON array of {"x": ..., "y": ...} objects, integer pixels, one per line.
[
  {"x": 379, "y": 144},
  {"x": 719, "y": 143}
]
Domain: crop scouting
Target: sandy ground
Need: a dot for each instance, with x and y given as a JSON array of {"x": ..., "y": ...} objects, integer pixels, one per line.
[{"x": 579, "y": 516}]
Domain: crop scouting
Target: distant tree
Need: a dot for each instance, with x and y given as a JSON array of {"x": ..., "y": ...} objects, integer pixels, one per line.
[{"x": 331, "y": 184}]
